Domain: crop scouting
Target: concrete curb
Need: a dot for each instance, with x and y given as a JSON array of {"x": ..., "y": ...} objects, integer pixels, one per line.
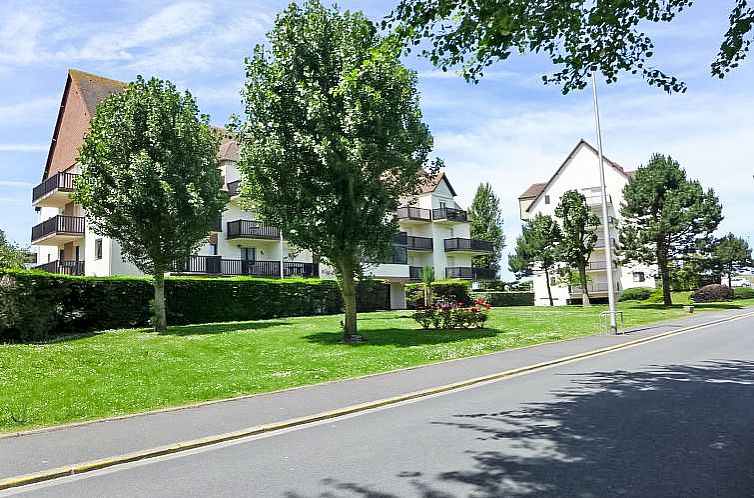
[{"x": 102, "y": 463}]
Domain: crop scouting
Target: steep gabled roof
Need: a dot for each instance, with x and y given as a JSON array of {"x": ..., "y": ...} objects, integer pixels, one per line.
[
  {"x": 533, "y": 191},
  {"x": 581, "y": 143},
  {"x": 94, "y": 88},
  {"x": 430, "y": 184},
  {"x": 229, "y": 150}
]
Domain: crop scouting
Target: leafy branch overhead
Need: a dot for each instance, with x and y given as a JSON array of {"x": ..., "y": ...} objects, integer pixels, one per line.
[{"x": 579, "y": 37}]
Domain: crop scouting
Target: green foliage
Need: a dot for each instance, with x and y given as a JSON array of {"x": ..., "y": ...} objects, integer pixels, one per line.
[
  {"x": 537, "y": 249},
  {"x": 508, "y": 298},
  {"x": 579, "y": 37},
  {"x": 11, "y": 256},
  {"x": 636, "y": 294},
  {"x": 655, "y": 298},
  {"x": 487, "y": 224},
  {"x": 743, "y": 293},
  {"x": 731, "y": 255},
  {"x": 333, "y": 137},
  {"x": 579, "y": 235},
  {"x": 442, "y": 291},
  {"x": 37, "y": 305},
  {"x": 666, "y": 217},
  {"x": 447, "y": 317},
  {"x": 712, "y": 293}
]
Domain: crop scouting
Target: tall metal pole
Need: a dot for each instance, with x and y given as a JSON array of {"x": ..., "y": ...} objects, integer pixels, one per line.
[
  {"x": 605, "y": 216},
  {"x": 282, "y": 274}
]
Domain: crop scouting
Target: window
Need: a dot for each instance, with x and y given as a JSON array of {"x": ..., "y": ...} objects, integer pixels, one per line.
[
  {"x": 443, "y": 205},
  {"x": 248, "y": 253},
  {"x": 213, "y": 249},
  {"x": 97, "y": 248},
  {"x": 547, "y": 199},
  {"x": 639, "y": 276},
  {"x": 78, "y": 253}
]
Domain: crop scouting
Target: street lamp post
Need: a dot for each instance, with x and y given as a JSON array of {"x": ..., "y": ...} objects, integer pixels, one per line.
[{"x": 605, "y": 216}]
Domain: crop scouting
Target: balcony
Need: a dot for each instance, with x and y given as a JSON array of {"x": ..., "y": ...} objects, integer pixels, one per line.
[
  {"x": 401, "y": 239},
  {"x": 469, "y": 273},
  {"x": 598, "y": 266},
  {"x": 234, "y": 188},
  {"x": 216, "y": 265},
  {"x": 600, "y": 244},
  {"x": 450, "y": 215},
  {"x": 62, "y": 267},
  {"x": 244, "y": 229},
  {"x": 593, "y": 288},
  {"x": 414, "y": 214},
  {"x": 415, "y": 273},
  {"x": 419, "y": 243},
  {"x": 58, "y": 230},
  {"x": 54, "y": 191},
  {"x": 596, "y": 200},
  {"x": 458, "y": 244}
]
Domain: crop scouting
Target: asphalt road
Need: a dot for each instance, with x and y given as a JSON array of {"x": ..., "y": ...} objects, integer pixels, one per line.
[{"x": 674, "y": 417}]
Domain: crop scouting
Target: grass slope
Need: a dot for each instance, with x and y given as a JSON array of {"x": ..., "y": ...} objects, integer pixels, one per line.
[{"x": 127, "y": 371}]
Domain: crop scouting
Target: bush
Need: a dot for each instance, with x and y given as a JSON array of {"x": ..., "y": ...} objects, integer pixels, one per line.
[
  {"x": 743, "y": 293},
  {"x": 637, "y": 294},
  {"x": 453, "y": 316},
  {"x": 712, "y": 293},
  {"x": 442, "y": 290},
  {"x": 655, "y": 297},
  {"x": 501, "y": 299},
  {"x": 36, "y": 305}
]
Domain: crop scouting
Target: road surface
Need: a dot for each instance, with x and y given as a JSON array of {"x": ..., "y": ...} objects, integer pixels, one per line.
[{"x": 673, "y": 417}]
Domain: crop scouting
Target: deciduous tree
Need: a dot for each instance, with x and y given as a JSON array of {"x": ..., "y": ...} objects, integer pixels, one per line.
[
  {"x": 487, "y": 224},
  {"x": 665, "y": 217},
  {"x": 11, "y": 256},
  {"x": 537, "y": 249},
  {"x": 579, "y": 236},
  {"x": 150, "y": 178},
  {"x": 578, "y": 36},
  {"x": 333, "y": 138}
]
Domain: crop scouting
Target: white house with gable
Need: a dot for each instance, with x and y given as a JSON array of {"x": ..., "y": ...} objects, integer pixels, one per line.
[{"x": 580, "y": 171}]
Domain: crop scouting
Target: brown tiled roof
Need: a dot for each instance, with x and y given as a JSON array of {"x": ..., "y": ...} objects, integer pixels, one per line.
[
  {"x": 533, "y": 191},
  {"x": 430, "y": 184},
  {"x": 228, "y": 149},
  {"x": 94, "y": 88},
  {"x": 631, "y": 174}
]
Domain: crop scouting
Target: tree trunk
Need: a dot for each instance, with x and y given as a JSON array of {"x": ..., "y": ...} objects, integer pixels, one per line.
[
  {"x": 349, "y": 300},
  {"x": 730, "y": 278},
  {"x": 549, "y": 291},
  {"x": 584, "y": 292},
  {"x": 662, "y": 262},
  {"x": 160, "y": 317}
]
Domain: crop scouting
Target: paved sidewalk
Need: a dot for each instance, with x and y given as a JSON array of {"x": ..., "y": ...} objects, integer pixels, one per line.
[{"x": 56, "y": 447}]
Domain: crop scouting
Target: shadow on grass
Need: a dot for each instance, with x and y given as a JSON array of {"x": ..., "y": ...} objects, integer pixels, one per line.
[
  {"x": 405, "y": 337},
  {"x": 699, "y": 306},
  {"x": 221, "y": 328},
  {"x": 667, "y": 431}
]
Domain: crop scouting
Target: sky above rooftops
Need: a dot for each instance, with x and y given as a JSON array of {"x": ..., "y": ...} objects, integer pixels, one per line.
[{"x": 509, "y": 130}]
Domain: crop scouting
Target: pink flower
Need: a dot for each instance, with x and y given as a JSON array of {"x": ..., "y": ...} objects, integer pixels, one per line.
[
  {"x": 488, "y": 305},
  {"x": 480, "y": 301},
  {"x": 445, "y": 307},
  {"x": 474, "y": 309},
  {"x": 461, "y": 305}
]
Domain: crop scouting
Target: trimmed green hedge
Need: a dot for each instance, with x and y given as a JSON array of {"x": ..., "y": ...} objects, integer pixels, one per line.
[
  {"x": 743, "y": 293},
  {"x": 507, "y": 298},
  {"x": 443, "y": 290},
  {"x": 36, "y": 305},
  {"x": 636, "y": 294}
]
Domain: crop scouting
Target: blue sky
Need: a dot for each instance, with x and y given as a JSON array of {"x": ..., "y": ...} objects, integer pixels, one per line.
[{"x": 509, "y": 130}]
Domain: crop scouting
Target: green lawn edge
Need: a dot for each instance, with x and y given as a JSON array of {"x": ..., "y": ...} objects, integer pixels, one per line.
[{"x": 128, "y": 371}]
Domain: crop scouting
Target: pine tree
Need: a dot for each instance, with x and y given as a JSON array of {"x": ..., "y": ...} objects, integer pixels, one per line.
[{"x": 487, "y": 224}]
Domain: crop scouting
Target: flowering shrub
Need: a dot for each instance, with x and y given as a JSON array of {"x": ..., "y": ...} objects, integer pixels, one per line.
[{"x": 452, "y": 315}]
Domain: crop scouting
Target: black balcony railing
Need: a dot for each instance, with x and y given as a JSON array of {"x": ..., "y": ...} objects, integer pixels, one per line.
[
  {"x": 419, "y": 243},
  {"x": 401, "y": 239},
  {"x": 234, "y": 188},
  {"x": 58, "y": 181},
  {"x": 63, "y": 225},
  {"x": 469, "y": 273},
  {"x": 215, "y": 265},
  {"x": 415, "y": 273},
  {"x": 65, "y": 267},
  {"x": 594, "y": 287},
  {"x": 251, "y": 230},
  {"x": 459, "y": 244},
  {"x": 413, "y": 213},
  {"x": 449, "y": 214}
]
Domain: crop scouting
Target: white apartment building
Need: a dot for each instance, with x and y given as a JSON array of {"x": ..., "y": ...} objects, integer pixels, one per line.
[
  {"x": 434, "y": 230},
  {"x": 580, "y": 172}
]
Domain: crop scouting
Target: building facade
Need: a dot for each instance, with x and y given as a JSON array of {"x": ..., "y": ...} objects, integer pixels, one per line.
[
  {"x": 580, "y": 172},
  {"x": 434, "y": 230}
]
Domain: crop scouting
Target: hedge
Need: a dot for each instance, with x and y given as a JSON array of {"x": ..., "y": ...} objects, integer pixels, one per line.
[
  {"x": 442, "y": 290},
  {"x": 743, "y": 293},
  {"x": 636, "y": 293},
  {"x": 712, "y": 293},
  {"x": 507, "y": 298},
  {"x": 36, "y": 305}
]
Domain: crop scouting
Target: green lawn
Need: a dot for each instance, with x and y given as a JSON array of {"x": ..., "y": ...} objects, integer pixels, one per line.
[{"x": 127, "y": 371}]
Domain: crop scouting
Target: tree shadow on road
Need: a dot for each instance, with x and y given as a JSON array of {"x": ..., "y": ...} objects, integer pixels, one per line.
[{"x": 672, "y": 431}]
